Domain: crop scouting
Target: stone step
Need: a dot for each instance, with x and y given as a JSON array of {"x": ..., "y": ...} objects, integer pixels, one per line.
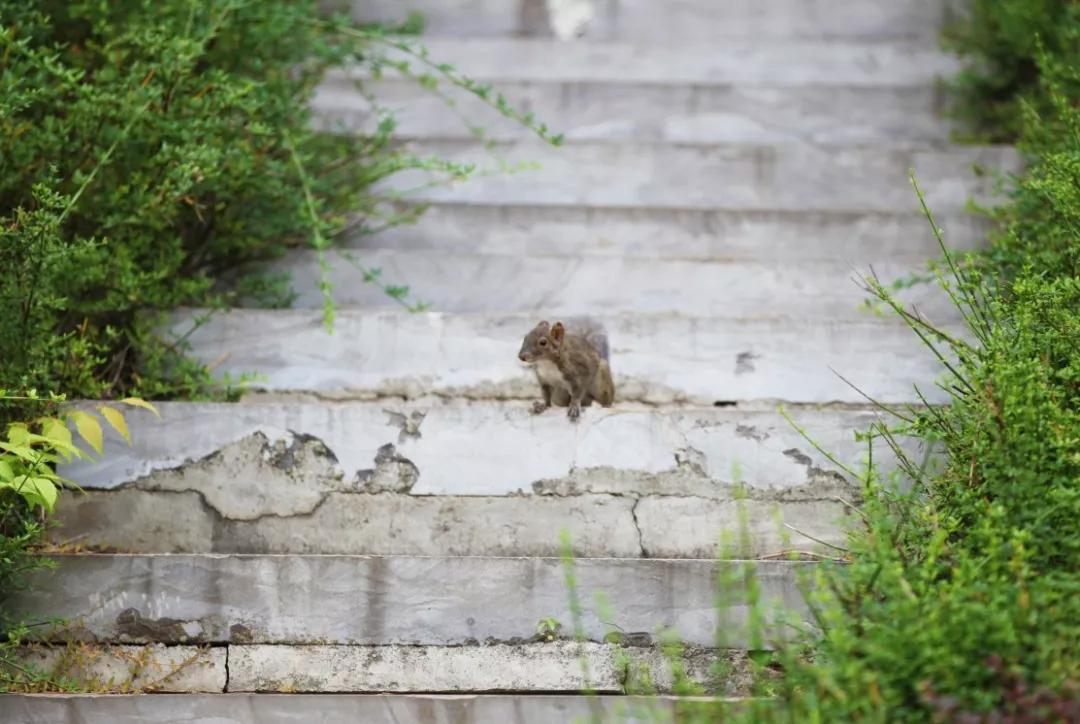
[
  {"x": 460, "y": 282},
  {"x": 686, "y": 20},
  {"x": 548, "y": 663},
  {"x": 646, "y": 111},
  {"x": 788, "y": 177},
  {"x": 779, "y": 63},
  {"x": 655, "y": 358},
  {"x": 430, "y": 601},
  {"x": 462, "y": 478},
  {"x": 687, "y": 235},
  {"x": 345, "y": 708}
]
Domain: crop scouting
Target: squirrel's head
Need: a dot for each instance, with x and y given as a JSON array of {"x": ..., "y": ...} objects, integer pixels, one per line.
[{"x": 543, "y": 342}]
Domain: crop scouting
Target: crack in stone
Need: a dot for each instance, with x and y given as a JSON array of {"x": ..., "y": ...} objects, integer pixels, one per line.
[{"x": 637, "y": 527}]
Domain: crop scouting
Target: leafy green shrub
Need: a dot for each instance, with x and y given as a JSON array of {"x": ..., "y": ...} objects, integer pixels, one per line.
[
  {"x": 150, "y": 148},
  {"x": 959, "y": 602},
  {"x": 29, "y": 486},
  {"x": 1001, "y": 41}
]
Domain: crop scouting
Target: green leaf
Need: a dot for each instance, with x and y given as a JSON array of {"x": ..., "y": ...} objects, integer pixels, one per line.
[
  {"x": 7, "y": 471},
  {"x": 35, "y": 490},
  {"x": 116, "y": 418},
  {"x": 139, "y": 402},
  {"x": 18, "y": 432},
  {"x": 56, "y": 430},
  {"x": 90, "y": 430}
]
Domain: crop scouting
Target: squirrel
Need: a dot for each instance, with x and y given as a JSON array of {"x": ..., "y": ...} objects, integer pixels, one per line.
[{"x": 572, "y": 367}]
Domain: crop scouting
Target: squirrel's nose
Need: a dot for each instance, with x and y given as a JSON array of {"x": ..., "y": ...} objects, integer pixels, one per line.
[{"x": 521, "y": 356}]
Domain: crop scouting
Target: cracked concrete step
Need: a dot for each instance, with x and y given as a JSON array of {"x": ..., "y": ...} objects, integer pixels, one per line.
[
  {"x": 738, "y": 61},
  {"x": 122, "y": 668},
  {"x": 468, "y": 283},
  {"x": 548, "y": 667},
  {"x": 687, "y": 235},
  {"x": 541, "y": 665},
  {"x": 688, "y": 20},
  {"x": 646, "y": 111},
  {"x": 441, "y": 478},
  {"x": 343, "y": 708},
  {"x": 134, "y": 520},
  {"x": 398, "y": 599},
  {"x": 788, "y": 177},
  {"x": 655, "y": 358}
]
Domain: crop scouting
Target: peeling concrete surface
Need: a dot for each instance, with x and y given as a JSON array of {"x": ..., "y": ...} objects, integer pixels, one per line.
[
  {"x": 254, "y": 476},
  {"x": 657, "y": 358},
  {"x": 339, "y": 708},
  {"x": 395, "y": 599},
  {"x": 119, "y": 669},
  {"x": 226, "y": 452}
]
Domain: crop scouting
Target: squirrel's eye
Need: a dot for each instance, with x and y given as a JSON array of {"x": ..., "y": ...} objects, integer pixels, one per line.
[{"x": 543, "y": 343}]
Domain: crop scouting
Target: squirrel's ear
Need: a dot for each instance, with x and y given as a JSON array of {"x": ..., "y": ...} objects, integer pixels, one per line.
[
  {"x": 543, "y": 326},
  {"x": 557, "y": 332}
]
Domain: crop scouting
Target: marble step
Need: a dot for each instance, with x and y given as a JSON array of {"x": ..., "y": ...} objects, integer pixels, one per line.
[
  {"x": 656, "y": 359},
  {"x": 684, "y": 20},
  {"x": 548, "y": 662},
  {"x": 736, "y": 177},
  {"x": 602, "y": 110},
  {"x": 460, "y": 282},
  {"x": 462, "y": 478},
  {"x": 341, "y": 708},
  {"x": 677, "y": 234},
  {"x": 777, "y": 63},
  {"x": 410, "y": 600}
]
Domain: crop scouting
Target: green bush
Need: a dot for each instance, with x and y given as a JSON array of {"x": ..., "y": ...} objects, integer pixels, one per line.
[
  {"x": 151, "y": 148},
  {"x": 960, "y": 600},
  {"x": 1001, "y": 41}
]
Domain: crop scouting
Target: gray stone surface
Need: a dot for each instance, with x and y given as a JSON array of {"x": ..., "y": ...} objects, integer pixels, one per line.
[
  {"x": 396, "y": 524},
  {"x": 644, "y": 233},
  {"x": 393, "y": 600},
  {"x": 700, "y": 20},
  {"x": 121, "y": 669},
  {"x": 331, "y": 708},
  {"x": 557, "y": 666},
  {"x": 698, "y": 113},
  {"x": 655, "y": 358},
  {"x": 737, "y": 61},
  {"x": 476, "y": 448},
  {"x": 459, "y": 282},
  {"x": 735, "y": 177}
]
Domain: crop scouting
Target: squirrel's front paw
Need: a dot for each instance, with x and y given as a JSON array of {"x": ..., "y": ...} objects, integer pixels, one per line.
[
  {"x": 539, "y": 407},
  {"x": 574, "y": 412}
]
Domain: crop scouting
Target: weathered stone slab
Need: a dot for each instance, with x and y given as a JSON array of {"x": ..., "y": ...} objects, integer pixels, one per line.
[
  {"x": 366, "y": 524},
  {"x": 687, "y": 20},
  {"x": 131, "y": 520},
  {"x": 793, "y": 177},
  {"x": 738, "y": 61},
  {"x": 596, "y": 110},
  {"x": 467, "y": 283},
  {"x": 394, "y": 600},
  {"x": 557, "y": 666},
  {"x": 655, "y": 358},
  {"x": 436, "y": 447},
  {"x": 120, "y": 669},
  {"x": 338, "y": 708},
  {"x": 685, "y": 527},
  {"x": 687, "y": 234}
]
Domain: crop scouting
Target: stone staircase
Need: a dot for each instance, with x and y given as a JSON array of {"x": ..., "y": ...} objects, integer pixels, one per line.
[{"x": 379, "y": 520}]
